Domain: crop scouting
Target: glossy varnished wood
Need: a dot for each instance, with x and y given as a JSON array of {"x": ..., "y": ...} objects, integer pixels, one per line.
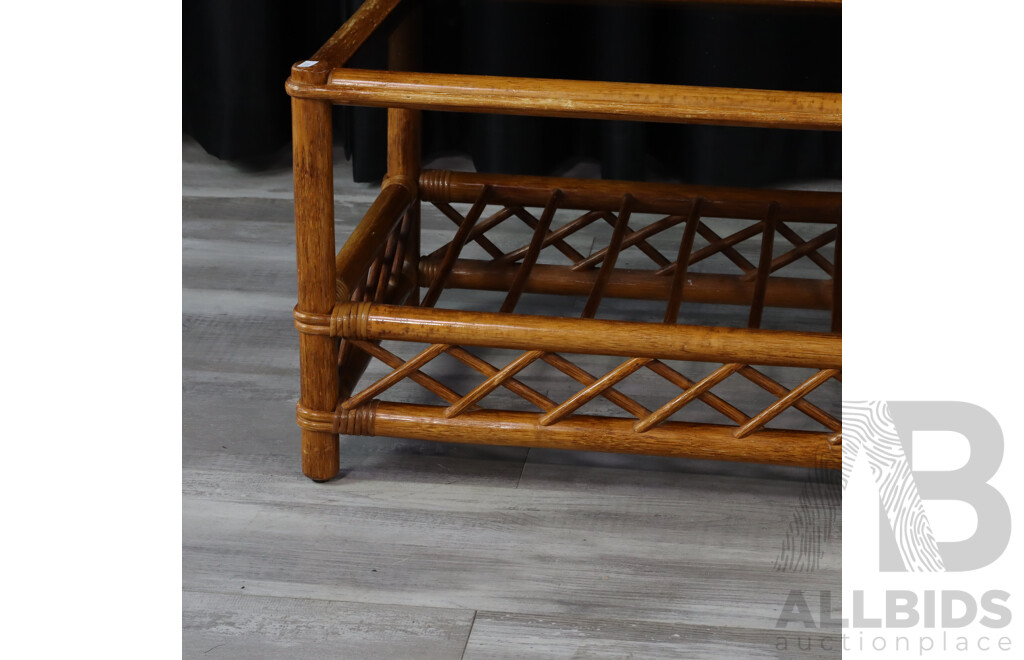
[
  {"x": 588, "y": 336},
  {"x": 367, "y": 240},
  {"x": 606, "y": 195},
  {"x": 592, "y": 390},
  {"x": 344, "y": 43},
  {"x": 799, "y": 293},
  {"x": 578, "y": 98},
  {"x": 314, "y": 239},
  {"x": 692, "y": 393},
  {"x": 704, "y": 441}
]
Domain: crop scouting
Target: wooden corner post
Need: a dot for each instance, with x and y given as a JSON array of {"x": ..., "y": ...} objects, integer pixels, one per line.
[
  {"x": 404, "y": 134},
  {"x": 314, "y": 242}
]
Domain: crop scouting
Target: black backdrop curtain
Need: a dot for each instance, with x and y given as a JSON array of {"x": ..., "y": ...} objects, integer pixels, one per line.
[{"x": 237, "y": 54}]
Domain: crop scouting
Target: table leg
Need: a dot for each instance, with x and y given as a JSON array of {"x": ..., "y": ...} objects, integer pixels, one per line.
[{"x": 314, "y": 241}]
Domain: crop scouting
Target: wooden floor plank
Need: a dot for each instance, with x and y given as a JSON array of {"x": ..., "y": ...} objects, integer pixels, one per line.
[
  {"x": 501, "y": 635},
  {"x": 700, "y": 550},
  {"x": 558, "y": 553},
  {"x": 250, "y": 627}
]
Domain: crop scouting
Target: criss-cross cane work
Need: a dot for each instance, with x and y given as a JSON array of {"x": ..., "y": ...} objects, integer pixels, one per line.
[
  {"x": 370, "y": 316},
  {"x": 623, "y": 264}
]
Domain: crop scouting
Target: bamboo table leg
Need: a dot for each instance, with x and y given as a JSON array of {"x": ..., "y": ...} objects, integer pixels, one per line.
[
  {"x": 404, "y": 132},
  {"x": 314, "y": 242}
]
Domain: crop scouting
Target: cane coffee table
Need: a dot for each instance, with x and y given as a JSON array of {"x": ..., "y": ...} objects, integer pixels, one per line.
[{"x": 379, "y": 292}]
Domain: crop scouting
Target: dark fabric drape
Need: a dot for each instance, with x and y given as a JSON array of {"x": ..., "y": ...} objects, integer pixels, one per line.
[{"x": 237, "y": 55}]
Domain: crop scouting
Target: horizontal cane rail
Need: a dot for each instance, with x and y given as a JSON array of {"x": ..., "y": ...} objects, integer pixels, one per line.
[
  {"x": 681, "y": 439},
  {"x": 589, "y": 336},
  {"x": 606, "y": 195},
  {"x": 789, "y": 292},
  {"x": 585, "y": 99}
]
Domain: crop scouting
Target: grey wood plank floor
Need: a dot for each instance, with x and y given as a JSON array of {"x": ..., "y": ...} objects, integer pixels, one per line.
[{"x": 431, "y": 550}]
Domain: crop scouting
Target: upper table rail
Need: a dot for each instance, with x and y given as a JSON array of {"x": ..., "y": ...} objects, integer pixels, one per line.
[
  {"x": 324, "y": 76},
  {"x": 577, "y": 98}
]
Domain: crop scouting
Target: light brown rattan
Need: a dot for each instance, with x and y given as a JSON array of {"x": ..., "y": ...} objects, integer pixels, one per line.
[{"x": 379, "y": 287}]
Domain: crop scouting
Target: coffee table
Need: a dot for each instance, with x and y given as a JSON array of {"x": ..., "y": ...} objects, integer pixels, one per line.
[{"x": 379, "y": 291}]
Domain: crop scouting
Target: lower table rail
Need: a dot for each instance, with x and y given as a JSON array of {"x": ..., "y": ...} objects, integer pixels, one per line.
[{"x": 380, "y": 313}]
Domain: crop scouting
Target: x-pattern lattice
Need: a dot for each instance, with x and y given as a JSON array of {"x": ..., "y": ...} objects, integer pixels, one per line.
[
  {"x": 473, "y": 226},
  {"x": 380, "y": 278},
  {"x": 638, "y": 237},
  {"x": 387, "y": 265},
  {"x": 552, "y": 412}
]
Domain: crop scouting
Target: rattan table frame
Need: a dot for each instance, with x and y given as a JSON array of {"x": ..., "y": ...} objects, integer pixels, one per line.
[{"x": 372, "y": 289}]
